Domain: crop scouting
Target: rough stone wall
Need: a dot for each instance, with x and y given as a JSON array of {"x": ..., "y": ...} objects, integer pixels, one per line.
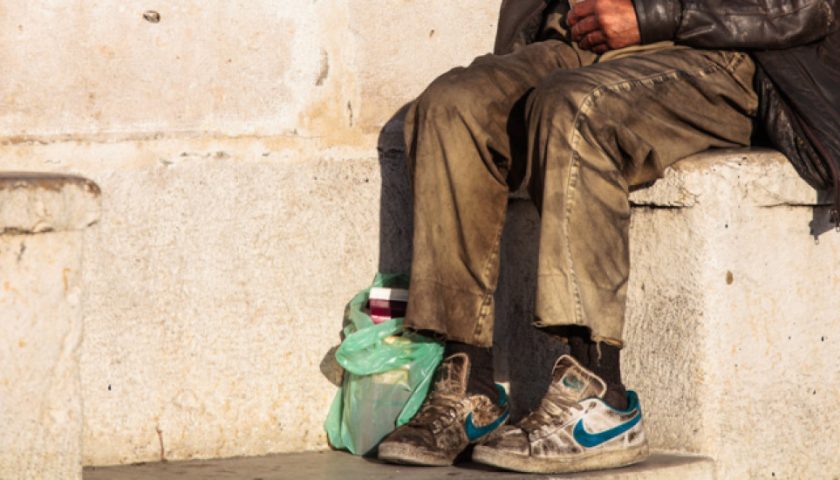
[
  {"x": 243, "y": 150},
  {"x": 302, "y": 69},
  {"x": 732, "y": 320},
  {"x": 40, "y": 333}
]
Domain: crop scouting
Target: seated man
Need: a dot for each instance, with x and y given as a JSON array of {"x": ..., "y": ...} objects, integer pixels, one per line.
[{"x": 580, "y": 104}]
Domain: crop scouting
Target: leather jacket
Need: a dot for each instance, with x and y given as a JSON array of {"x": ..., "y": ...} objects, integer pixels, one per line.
[{"x": 796, "y": 46}]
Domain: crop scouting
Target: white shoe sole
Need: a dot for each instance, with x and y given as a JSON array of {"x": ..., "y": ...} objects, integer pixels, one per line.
[
  {"x": 596, "y": 460},
  {"x": 409, "y": 455}
]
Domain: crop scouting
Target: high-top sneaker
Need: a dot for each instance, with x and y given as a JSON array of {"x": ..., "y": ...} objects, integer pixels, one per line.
[
  {"x": 448, "y": 422},
  {"x": 572, "y": 430}
]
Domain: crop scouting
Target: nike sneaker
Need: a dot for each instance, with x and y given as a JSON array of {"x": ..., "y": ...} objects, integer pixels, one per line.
[
  {"x": 572, "y": 430},
  {"x": 449, "y": 421}
]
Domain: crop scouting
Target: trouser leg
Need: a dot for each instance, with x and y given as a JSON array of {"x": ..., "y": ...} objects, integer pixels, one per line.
[
  {"x": 461, "y": 134},
  {"x": 594, "y": 132}
]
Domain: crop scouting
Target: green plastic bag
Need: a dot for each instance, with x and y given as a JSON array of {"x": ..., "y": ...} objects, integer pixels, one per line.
[{"x": 388, "y": 371}]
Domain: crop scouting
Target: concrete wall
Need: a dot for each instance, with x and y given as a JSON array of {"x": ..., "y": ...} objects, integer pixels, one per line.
[
  {"x": 328, "y": 70},
  {"x": 242, "y": 157}
]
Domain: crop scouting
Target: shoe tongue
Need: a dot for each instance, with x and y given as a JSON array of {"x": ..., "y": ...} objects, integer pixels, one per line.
[
  {"x": 452, "y": 374},
  {"x": 577, "y": 382}
]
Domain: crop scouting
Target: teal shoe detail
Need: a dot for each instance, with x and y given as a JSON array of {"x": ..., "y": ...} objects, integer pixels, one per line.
[{"x": 474, "y": 432}]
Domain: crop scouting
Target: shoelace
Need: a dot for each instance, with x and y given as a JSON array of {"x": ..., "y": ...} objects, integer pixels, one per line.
[
  {"x": 555, "y": 405},
  {"x": 441, "y": 409}
]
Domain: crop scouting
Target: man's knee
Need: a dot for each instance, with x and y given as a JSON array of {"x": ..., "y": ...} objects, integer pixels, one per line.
[
  {"x": 572, "y": 118},
  {"x": 561, "y": 98},
  {"x": 456, "y": 91}
]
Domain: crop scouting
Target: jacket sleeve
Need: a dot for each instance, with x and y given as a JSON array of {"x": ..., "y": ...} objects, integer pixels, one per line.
[{"x": 741, "y": 24}]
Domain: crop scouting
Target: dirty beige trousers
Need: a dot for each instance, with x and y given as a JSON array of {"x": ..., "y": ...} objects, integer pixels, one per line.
[{"x": 580, "y": 134}]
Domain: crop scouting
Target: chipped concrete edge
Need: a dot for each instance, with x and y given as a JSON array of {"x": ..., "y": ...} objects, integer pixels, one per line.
[
  {"x": 758, "y": 177},
  {"x": 33, "y": 203}
]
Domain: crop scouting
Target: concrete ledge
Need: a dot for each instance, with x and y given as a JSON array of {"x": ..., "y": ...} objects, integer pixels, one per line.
[
  {"x": 41, "y": 322},
  {"x": 43, "y": 202},
  {"x": 342, "y": 466},
  {"x": 732, "y": 315},
  {"x": 762, "y": 178},
  {"x": 202, "y": 338}
]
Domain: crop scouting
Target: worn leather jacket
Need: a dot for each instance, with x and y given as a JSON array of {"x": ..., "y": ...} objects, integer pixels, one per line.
[{"x": 796, "y": 46}]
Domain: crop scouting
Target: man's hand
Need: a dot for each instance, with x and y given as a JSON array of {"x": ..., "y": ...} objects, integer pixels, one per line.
[{"x": 602, "y": 25}]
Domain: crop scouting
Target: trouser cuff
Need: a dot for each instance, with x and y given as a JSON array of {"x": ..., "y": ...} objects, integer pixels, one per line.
[{"x": 454, "y": 314}]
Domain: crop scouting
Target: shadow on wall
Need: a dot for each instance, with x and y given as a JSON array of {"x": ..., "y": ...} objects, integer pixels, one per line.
[
  {"x": 523, "y": 355},
  {"x": 395, "y": 220},
  {"x": 821, "y": 220},
  {"x": 395, "y": 212}
]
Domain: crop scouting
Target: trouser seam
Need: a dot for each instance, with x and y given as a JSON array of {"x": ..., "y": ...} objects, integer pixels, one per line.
[
  {"x": 488, "y": 293},
  {"x": 733, "y": 65}
]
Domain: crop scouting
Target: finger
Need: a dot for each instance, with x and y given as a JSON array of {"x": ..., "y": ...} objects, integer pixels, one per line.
[
  {"x": 583, "y": 27},
  {"x": 580, "y": 10},
  {"x": 593, "y": 39},
  {"x": 600, "y": 49}
]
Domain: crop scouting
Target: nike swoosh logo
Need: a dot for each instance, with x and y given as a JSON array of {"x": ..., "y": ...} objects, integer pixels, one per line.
[
  {"x": 590, "y": 440},
  {"x": 474, "y": 433}
]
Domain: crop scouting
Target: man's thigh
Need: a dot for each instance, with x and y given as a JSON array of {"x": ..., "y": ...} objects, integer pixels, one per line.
[
  {"x": 486, "y": 102},
  {"x": 640, "y": 113},
  {"x": 503, "y": 78}
]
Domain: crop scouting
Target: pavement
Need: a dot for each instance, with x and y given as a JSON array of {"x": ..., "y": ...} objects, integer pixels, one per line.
[{"x": 343, "y": 466}]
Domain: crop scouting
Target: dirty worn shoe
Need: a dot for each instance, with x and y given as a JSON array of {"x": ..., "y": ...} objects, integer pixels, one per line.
[
  {"x": 448, "y": 422},
  {"x": 572, "y": 430}
]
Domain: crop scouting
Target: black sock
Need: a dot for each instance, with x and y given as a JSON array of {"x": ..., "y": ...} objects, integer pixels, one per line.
[
  {"x": 603, "y": 360},
  {"x": 481, "y": 380}
]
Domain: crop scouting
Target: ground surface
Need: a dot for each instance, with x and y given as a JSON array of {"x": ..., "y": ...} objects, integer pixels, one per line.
[{"x": 335, "y": 465}]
